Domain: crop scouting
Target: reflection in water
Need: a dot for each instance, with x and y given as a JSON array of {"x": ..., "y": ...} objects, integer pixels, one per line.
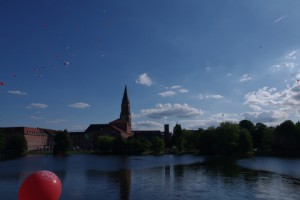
[
  {"x": 121, "y": 180},
  {"x": 166, "y": 177}
]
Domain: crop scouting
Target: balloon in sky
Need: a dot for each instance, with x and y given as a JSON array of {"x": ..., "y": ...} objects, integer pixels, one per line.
[
  {"x": 41, "y": 185},
  {"x": 1, "y": 83}
]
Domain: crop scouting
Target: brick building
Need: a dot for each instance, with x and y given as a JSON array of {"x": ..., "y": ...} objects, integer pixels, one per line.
[{"x": 38, "y": 139}]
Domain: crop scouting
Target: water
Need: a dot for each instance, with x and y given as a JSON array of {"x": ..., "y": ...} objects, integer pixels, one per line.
[{"x": 165, "y": 177}]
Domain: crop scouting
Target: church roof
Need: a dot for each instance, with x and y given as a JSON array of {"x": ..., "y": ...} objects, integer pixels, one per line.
[
  {"x": 96, "y": 127},
  {"x": 100, "y": 127},
  {"x": 125, "y": 96}
]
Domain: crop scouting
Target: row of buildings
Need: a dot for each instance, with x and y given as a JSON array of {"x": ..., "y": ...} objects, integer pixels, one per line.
[{"x": 40, "y": 139}]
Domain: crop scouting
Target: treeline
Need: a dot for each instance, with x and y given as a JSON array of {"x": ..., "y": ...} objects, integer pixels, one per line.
[
  {"x": 12, "y": 147},
  {"x": 113, "y": 145},
  {"x": 240, "y": 139}
]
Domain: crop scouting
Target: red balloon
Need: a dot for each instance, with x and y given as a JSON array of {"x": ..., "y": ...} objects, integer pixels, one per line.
[{"x": 41, "y": 185}]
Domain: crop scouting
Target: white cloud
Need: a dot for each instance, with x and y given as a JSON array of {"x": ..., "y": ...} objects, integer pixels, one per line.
[
  {"x": 16, "y": 92},
  {"x": 144, "y": 79},
  {"x": 279, "y": 19},
  {"x": 210, "y": 96},
  {"x": 173, "y": 90},
  {"x": 171, "y": 110},
  {"x": 292, "y": 55},
  {"x": 269, "y": 104},
  {"x": 288, "y": 62},
  {"x": 148, "y": 125},
  {"x": 36, "y": 117},
  {"x": 37, "y": 105},
  {"x": 167, "y": 93},
  {"x": 245, "y": 77},
  {"x": 266, "y": 116},
  {"x": 283, "y": 66},
  {"x": 213, "y": 120},
  {"x": 183, "y": 91},
  {"x": 175, "y": 87},
  {"x": 79, "y": 105},
  {"x": 56, "y": 121}
]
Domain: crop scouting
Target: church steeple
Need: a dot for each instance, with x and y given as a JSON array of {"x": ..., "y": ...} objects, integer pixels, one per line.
[{"x": 125, "y": 108}]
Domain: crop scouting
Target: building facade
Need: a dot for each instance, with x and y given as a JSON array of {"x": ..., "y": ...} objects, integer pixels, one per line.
[{"x": 38, "y": 139}]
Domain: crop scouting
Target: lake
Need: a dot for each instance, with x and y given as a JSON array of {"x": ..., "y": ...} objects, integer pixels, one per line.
[{"x": 158, "y": 177}]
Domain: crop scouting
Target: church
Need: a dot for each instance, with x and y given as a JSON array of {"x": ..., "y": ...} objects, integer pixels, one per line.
[{"x": 120, "y": 127}]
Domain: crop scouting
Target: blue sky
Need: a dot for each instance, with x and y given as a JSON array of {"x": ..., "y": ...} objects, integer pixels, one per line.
[{"x": 64, "y": 64}]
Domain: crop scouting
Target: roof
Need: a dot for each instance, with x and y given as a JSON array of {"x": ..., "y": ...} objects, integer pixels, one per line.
[
  {"x": 96, "y": 127},
  {"x": 125, "y": 99},
  {"x": 24, "y": 128}
]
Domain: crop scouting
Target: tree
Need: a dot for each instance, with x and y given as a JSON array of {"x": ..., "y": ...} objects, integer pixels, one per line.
[
  {"x": 158, "y": 145},
  {"x": 227, "y": 138},
  {"x": 245, "y": 143},
  {"x": 2, "y": 139},
  {"x": 135, "y": 146},
  {"x": 62, "y": 142},
  {"x": 286, "y": 138},
  {"x": 267, "y": 141},
  {"x": 119, "y": 146},
  {"x": 178, "y": 139},
  {"x": 207, "y": 143},
  {"x": 15, "y": 146},
  {"x": 105, "y": 144},
  {"x": 246, "y": 124},
  {"x": 257, "y": 135}
]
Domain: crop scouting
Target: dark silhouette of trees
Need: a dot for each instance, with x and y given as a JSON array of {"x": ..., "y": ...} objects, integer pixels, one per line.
[
  {"x": 286, "y": 138},
  {"x": 242, "y": 139},
  {"x": 178, "y": 139},
  {"x": 246, "y": 124},
  {"x": 245, "y": 146},
  {"x": 15, "y": 146},
  {"x": 105, "y": 144},
  {"x": 158, "y": 145},
  {"x": 257, "y": 135},
  {"x": 1, "y": 141},
  {"x": 227, "y": 135},
  {"x": 62, "y": 143}
]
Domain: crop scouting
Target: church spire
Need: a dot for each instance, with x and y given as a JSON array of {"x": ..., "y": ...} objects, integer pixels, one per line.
[
  {"x": 125, "y": 96},
  {"x": 125, "y": 108}
]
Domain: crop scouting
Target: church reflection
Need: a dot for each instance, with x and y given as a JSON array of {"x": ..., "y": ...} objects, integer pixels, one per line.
[{"x": 119, "y": 180}]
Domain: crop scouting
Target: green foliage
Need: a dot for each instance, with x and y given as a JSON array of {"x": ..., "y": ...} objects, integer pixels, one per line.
[
  {"x": 257, "y": 135},
  {"x": 62, "y": 142},
  {"x": 178, "y": 139},
  {"x": 241, "y": 139},
  {"x": 158, "y": 145},
  {"x": 207, "y": 141},
  {"x": 287, "y": 138},
  {"x": 2, "y": 139},
  {"x": 105, "y": 144},
  {"x": 227, "y": 138},
  {"x": 246, "y": 124},
  {"x": 137, "y": 146},
  {"x": 15, "y": 146},
  {"x": 267, "y": 141},
  {"x": 130, "y": 146},
  {"x": 245, "y": 143},
  {"x": 119, "y": 145}
]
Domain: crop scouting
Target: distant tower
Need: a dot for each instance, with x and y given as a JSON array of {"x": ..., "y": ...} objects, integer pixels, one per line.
[{"x": 125, "y": 108}]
